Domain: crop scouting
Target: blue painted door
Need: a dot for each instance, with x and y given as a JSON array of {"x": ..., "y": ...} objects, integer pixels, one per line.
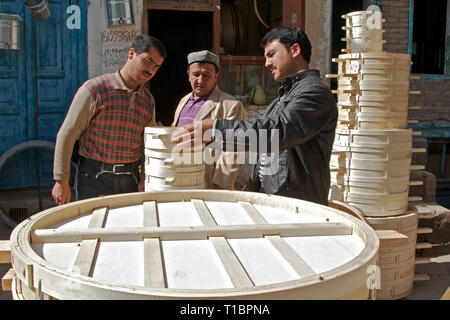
[{"x": 37, "y": 84}]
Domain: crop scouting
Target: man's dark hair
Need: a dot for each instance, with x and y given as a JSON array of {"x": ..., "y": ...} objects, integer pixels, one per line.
[
  {"x": 142, "y": 43},
  {"x": 289, "y": 35}
]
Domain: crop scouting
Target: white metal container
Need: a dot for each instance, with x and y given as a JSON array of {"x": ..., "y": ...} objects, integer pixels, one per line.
[{"x": 11, "y": 26}]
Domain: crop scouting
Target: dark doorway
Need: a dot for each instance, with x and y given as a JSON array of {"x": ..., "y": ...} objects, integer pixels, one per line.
[
  {"x": 181, "y": 32},
  {"x": 429, "y": 29},
  {"x": 339, "y": 9}
]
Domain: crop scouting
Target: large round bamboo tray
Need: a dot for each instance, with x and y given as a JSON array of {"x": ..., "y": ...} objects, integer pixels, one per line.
[{"x": 195, "y": 244}]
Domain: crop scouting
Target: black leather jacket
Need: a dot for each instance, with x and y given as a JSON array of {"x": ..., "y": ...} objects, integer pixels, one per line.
[{"x": 306, "y": 121}]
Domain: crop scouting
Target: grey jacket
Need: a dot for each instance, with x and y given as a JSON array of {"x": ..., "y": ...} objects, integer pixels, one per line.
[{"x": 305, "y": 118}]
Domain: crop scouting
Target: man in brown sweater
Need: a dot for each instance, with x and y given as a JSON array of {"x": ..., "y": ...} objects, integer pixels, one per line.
[{"x": 108, "y": 115}]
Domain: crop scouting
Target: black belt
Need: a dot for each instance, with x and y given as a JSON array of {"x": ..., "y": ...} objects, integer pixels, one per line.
[{"x": 103, "y": 166}]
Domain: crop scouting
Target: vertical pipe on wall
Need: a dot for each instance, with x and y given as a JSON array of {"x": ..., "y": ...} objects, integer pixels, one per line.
[{"x": 216, "y": 27}]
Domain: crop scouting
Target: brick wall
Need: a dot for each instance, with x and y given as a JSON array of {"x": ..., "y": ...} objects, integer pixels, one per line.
[
  {"x": 396, "y": 14},
  {"x": 434, "y": 99}
]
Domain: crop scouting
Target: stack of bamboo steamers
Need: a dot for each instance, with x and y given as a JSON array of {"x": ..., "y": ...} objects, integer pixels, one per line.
[
  {"x": 169, "y": 168},
  {"x": 371, "y": 158}
]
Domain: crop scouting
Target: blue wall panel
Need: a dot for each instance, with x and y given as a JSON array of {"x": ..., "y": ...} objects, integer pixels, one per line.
[{"x": 37, "y": 84}]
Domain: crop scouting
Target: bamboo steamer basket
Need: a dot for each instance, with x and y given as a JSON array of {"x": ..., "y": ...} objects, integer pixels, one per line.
[
  {"x": 392, "y": 186},
  {"x": 369, "y": 154},
  {"x": 397, "y": 273},
  {"x": 159, "y": 138},
  {"x": 364, "y": 164},
  {"x": 193, "y": 244},
  {"x": 342, "y": 82},
  {"x": 403, "y": 223},
  {"x": 165, "y": 184},
  {"x": 350, "y": 99},
  {"x": 373, "y": 107},
  {"x": 387, "y": 90},
  {"x": 380, "y": 173},
  {"x": 362, "y": 31},
  {"x": 392, "y": 258},
  {"x": 401, "y": 271},
  {"x": 354, "y": 63},
  {"x": 182, "y": 179},
  {"x": 373, "y": 120},
  {"x": 339, "y": 176},
  {"x": 376, "y": 90},
  {"x": 178, "y": 159},
  {"x": 378, "y": 205},
  {"x": 384, "y": 75},
  {"x": 364, "y": 44},
  {"x": 156, "y": 168},
  {"x": 372, "y": 75},
  {"x": 380, "y": 121},
  {"x": 373, "y": 138},
  {"x": 397, "y": 289},
  {"x": 169, "y": 167},
  {"x": 365, "y": 18}
]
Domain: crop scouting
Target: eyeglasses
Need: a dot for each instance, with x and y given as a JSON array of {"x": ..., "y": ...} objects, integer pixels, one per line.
[{"x": 152, "y": 63}]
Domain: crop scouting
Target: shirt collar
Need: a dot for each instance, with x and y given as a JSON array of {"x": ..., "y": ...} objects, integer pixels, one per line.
[
  {"x": 119, "y": 84},
  {"x": 204, "y": 98},
  {"x": 289, "y": 80}
]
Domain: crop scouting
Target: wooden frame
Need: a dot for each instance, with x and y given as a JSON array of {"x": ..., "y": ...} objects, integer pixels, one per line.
[
  {"x": 291, "y": 7},
  {"x": 184, "y": 5},
  {"x": 243, "y": 61}
]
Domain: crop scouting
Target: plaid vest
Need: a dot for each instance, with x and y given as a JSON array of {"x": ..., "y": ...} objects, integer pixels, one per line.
[{"x": 116, "y": 131}]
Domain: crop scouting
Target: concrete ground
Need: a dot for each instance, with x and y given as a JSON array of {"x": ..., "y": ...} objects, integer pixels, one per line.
[{"x": 433, "y": 289}]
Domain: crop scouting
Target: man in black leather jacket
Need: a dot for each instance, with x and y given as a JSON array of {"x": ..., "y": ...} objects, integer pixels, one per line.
[{"x": 299, "y": 125}]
